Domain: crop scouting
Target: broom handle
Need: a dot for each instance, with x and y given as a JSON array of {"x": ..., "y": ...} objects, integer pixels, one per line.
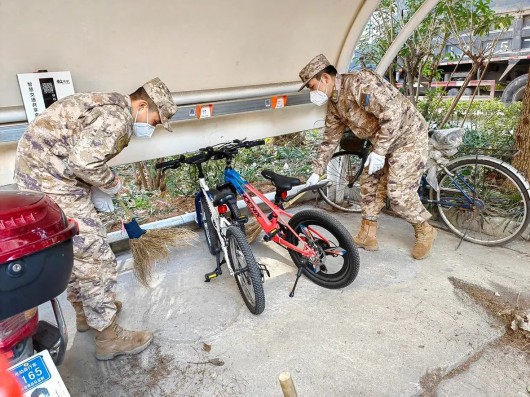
[
  {"x": 294, "y": 200},
  {"x": 128, "y": 212}
]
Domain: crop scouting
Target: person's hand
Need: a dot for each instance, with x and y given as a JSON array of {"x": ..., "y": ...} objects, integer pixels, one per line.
[
  {"x": 312, "y": 180},
  {"x": 374, "y": 162},
  {"x": 114, "y": 188},
  {"x": 101, "y": 200}
]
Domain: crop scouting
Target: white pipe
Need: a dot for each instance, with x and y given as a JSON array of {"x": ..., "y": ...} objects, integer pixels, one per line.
[
  {"x": 234, "y": 93},
  {"x": 187, "y": 218},
  {"x": 12, "y": 114},
  {"x": 405, "y": 33},
  {"x": 350, "y": 42},
  {"x": 17, "y": 114}
]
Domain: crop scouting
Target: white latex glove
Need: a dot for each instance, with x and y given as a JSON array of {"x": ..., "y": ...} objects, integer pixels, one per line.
[
  {"x": 312, "y": 180},
  {"x": 114, "y": 188},
  {"x": 374, "y": 162},
  {"x": 101, "y": 200}
]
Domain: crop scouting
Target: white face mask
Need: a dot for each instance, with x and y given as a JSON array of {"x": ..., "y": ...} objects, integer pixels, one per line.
[
  {"x": 319, "y": 98},
  {"x": 143, "y": 130}
]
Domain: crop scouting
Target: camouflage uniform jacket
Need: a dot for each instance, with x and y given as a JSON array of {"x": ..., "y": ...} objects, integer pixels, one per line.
[
  {"x": 372, "y": 109},
  {"x": 66, "y": 148}
]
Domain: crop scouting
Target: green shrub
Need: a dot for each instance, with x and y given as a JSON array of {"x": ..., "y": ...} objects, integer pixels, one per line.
[{"x": 490, "y": 124}]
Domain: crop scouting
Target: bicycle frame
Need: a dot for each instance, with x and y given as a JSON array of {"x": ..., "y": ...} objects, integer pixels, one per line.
[
  {"x": 270, "y": 224},
  {"x": 220, "y": 223},
  {"x": 454, "y": 180}
]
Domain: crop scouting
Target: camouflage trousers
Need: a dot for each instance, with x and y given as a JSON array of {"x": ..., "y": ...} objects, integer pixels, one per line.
[
  {"x": 93, "y": 279},
  {"x": 399, "y": 181}
]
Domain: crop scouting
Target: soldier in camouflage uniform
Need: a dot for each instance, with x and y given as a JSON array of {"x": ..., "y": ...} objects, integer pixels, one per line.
[
  {"x": 64, "y": 153},
  {"x": 373, "y": 109}
]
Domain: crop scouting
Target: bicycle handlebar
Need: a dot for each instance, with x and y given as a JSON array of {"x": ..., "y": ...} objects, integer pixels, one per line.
[
  {"x": 170, "y": 164},
  {"x": 217, "y": 152},
  {"x": 258, "y": 142}
]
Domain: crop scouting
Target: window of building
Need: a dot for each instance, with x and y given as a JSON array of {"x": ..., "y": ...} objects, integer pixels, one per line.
[{"x": 526, "y": 21}]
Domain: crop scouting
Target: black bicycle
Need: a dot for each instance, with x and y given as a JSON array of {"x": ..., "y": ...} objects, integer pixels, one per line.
[{"x": 480, "y": 198}]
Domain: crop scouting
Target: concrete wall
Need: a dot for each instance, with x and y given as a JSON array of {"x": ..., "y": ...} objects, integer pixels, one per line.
[
  {"x": 191, "y": 45},
  {"x": 118, "y": 45}
]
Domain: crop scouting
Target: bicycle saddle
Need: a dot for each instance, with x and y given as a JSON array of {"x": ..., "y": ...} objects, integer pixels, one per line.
[{"x": 281, "y": 182}]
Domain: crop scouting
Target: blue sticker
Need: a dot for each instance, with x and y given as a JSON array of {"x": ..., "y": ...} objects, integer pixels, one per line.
[
  {"x": 367, "y": 100},
  {"x": 32, "y": 373}
]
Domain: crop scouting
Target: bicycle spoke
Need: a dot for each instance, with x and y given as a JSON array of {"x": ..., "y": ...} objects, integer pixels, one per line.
[
  {"x": 343, "y": 172},
  {"x": 242, "y": 272},
  {"x": 494, "y": 209}
]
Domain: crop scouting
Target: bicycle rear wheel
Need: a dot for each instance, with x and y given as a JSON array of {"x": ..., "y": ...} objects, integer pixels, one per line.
[
  {"x": 343, "y": 191},
  {"x": 495, "y": 210},
  {"x": 337, "y": 262},
  {"x": 247, "y": 273}
]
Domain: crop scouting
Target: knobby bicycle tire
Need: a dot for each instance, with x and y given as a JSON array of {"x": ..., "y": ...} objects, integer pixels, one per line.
[
  {"x": 343, "y": 173},
  {"x": 501, "y": 196},
  {"x": 212, "y": 240},
  {"x": 347, "y": 272},
  {"x": 249, "y": 280}
]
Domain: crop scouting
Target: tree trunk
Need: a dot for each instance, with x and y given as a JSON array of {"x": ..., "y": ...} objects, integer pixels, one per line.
[
  {"x": 137, "y": 180},
  {"x": 149, "y": 177},
  {"x": 160, "y": 182},
  {"x": 141, "y": 174},
  {"x": 409, "y": 79},
  {"x": 521, "y": 159}
]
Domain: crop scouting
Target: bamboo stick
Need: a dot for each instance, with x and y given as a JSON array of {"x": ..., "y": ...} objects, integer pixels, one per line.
[{"x": 286, "y": 382}]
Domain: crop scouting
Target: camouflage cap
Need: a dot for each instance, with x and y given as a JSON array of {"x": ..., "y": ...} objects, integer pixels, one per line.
[
  {"x": 163, "y": 100},
  {"x": 315, "y": 66}
]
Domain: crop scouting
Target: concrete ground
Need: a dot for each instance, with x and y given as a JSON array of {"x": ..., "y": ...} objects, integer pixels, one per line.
[{"x": 400, "y": 329}]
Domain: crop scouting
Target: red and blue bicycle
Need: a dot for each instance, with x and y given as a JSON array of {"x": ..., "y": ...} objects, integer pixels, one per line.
[{"x": 319, "y": 245}]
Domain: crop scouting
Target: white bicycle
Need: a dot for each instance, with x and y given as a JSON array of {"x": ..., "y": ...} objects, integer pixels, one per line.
[{"x": 223, "y": 225}]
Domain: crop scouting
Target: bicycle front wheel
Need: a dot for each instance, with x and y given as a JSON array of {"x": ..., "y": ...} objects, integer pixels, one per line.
[
  {"x": 209, "y": 231},
  {"x": 491, "y": 205},
  {"x": 343, "y": 191},
  {"x": 246, "y": 270},
  {"x": 336, "y": 263}
]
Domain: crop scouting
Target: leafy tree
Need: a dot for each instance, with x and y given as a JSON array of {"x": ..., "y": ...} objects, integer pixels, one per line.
[
  {"x": 418, "y": 59},
  {"x": 469, "y": 21},
  {"x": 463, "y": 21}
]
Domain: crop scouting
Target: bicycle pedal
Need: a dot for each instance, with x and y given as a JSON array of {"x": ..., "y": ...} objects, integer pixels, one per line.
[
  {"x": 269, "y": 236},
  {"x": 209, "y": 276},
  {"x": 263, "y": 268},
  {"x": 242, "y": 219}
]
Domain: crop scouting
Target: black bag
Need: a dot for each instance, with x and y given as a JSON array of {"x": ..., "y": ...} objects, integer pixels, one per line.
[{"x": 351, "y": 143}]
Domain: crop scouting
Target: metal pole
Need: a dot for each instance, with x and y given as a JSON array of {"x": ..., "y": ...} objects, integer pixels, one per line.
[
  {"x": 405, "y": 33},
  {"x": 350, "y": 42}
]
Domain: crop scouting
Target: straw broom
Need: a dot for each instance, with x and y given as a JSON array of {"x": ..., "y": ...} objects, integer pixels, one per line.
[{"x": 149, "y": 247}]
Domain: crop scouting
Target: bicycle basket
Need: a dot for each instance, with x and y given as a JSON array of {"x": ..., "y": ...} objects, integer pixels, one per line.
[{"x": 351, "y": 143}]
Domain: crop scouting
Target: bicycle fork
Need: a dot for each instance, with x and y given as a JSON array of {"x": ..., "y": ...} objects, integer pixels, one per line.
[{"x": 219, "y": 224}]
